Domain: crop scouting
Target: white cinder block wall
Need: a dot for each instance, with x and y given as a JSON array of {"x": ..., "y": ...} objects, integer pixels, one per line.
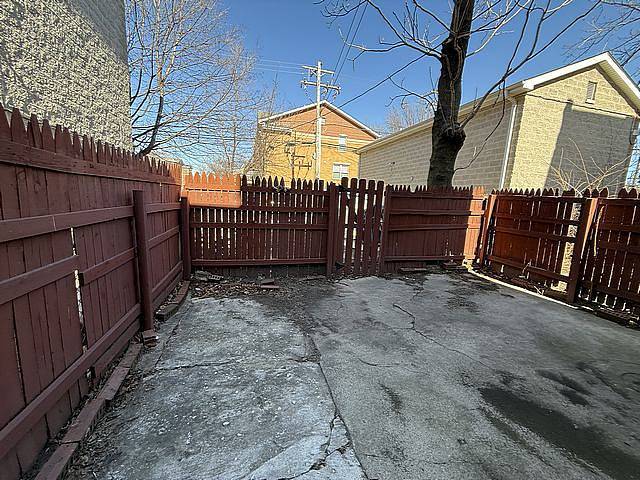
[{"x": 66, "y": 60}]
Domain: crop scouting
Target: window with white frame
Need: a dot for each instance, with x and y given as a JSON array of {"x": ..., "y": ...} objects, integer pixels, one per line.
[
  {"x": 342, "y": 143},
  {"x": 340, "y": 170},
  {"x": 591, "y": 91}
]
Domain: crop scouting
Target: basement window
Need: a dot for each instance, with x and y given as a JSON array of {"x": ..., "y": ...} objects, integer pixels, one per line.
[{"x": 591, "y": 92}]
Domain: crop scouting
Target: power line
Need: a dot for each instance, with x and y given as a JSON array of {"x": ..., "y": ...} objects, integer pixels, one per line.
[
  {"x": 318, "y": 72},
  {"x": 348, "y": 33},
  {"x": 388, "y": 77},
  {"x": 352, "y": 38}
]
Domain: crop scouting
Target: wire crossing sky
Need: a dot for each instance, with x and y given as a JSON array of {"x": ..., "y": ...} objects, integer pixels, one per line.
[{"x": 286, "y": 34}]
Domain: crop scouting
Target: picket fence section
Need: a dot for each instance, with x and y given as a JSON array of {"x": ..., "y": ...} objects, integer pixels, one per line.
[
  {"x": 610, "y": 274},
  {"x": 339, "y": 228},
  {"x": 273, "y": 225},
  {"x": 72, "y": 288},
  {"x": 584, "y": 245},
  {"x": 533, "y": 234}
]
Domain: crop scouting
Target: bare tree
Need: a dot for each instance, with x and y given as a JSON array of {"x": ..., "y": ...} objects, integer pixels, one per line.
[
  {"x": 581, "y": 173},
  {"x": 614, "y": 26},
  {"x": 266, "y": 137},
  {"x": 407, "y": 113},
  {"x": 190, "y": 80},
  {"x": 470, "y": 26}
]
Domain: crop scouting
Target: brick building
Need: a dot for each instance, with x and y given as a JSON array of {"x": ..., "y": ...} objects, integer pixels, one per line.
[
  {"x": 285, "y": 145},
  {"x": 66, "y": 61},
  {"x": 547, "y": 130}
]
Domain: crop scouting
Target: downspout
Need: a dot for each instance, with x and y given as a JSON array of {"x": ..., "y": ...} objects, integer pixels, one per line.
[{"x": 507, "y": 148}]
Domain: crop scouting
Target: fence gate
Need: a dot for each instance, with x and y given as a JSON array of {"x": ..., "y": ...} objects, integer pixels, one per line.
[
  {"x": 532, "y": 234},
  {"x": 430, "y": 224},
  {"x": 358, "y": 232}
]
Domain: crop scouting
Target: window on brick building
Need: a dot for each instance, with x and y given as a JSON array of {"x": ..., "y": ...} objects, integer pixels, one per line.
[
  {"x": 340, "y": 170},
  {"x": 342, "y": 143},
  {"x": 591, "y": 91}
]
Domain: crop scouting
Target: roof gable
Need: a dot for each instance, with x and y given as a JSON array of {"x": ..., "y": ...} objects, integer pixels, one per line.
[
  {"x": 327, "y": 105},
  {"x": 609, "y": 66}
]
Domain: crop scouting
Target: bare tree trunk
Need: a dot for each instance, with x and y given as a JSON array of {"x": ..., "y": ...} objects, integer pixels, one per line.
[
  {"x": 154, "y": 132},
  {"x": 447, "y": 135}
]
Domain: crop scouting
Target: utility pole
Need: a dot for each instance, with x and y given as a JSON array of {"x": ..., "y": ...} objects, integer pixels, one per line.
[{"x": 318, "y": 72}]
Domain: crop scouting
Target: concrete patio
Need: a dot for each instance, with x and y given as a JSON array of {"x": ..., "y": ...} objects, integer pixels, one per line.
[{"x": 441, "y": 376}]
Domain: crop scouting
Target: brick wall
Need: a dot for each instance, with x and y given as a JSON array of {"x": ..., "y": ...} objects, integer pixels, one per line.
[
  {"x": 66, "y": 61},
  {"x": 291, "y": 139},
  {"x": 301, "y": 150}
]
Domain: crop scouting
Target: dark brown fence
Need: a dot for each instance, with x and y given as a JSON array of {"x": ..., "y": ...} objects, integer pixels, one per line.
[
  {"x": 274, "y": 225},
  {"x": 533, "y": 234},
  {"x": 357, "y": 211},
  {"x": 610, "y": 273},
  {"x": 70, "y": 283},
  {"x": 585, "y": 246},
  {"x": 356, "y": 227},
  {"x": 430, "y": 225}
]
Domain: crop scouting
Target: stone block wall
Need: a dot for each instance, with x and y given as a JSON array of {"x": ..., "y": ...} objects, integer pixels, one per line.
[{"x": 66, "y": 61}]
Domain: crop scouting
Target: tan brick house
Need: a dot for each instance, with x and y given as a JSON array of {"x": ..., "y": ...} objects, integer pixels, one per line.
[
  {"x": 66, "y": 61},
  {"x": 549, "y": 130},
  {"x": 285, "y": 144}
]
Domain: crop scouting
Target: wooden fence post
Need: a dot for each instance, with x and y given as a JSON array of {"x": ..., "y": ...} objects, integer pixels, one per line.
[
  {"x": 144, "y": 266},
  {"x": 587, "y": 217},
  {"x": 386, "y": 205},
  {"x": 484, "y": 234},
  {"x": 185, "y": 238},
  {"x": 332, "y": 220}
]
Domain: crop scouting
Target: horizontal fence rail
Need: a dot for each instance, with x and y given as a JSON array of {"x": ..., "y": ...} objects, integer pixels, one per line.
[
  {"x": 437, "y": 224},
  {"x": 70, "y": 291},
  {"x": 338, "y": 228}
]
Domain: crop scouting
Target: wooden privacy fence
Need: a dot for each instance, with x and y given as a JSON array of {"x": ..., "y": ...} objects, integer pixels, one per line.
[
  {"x": 357, "y": 227},
  {"x": 89, "y": 241},
  {"x": 585, "y": 245},
  {"x": 430, "y": 224},
  {"x": 273, "y": 225},
  {"x": 588, "y": 244},
  {"x": 609, "y": 273},
  {"x": 531, "y": 234}
]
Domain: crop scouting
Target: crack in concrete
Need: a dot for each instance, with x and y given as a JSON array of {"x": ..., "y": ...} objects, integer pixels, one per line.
[
  {"x": 433, "y": 340},
  {"x": 337, "y": 413},
  {"x": 194, "y": 365}
]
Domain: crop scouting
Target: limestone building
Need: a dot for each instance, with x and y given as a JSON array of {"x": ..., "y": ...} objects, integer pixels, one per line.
[{"x": 570, "y": 125}]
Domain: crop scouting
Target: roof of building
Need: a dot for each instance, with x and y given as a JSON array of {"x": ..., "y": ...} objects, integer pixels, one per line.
[
  {"x": 323, "y": 103},
  {"x": 618, "y": 76}
]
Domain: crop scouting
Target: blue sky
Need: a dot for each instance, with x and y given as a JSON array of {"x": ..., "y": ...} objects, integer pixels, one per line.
[{"x": 287, "y": 33}]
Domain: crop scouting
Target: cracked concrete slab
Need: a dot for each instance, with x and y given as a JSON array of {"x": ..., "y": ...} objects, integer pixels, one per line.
[
  {"x": 228, "y": 395},
  {"x": 451, "y": 376},
  {"x": 443, "y": 376}
]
